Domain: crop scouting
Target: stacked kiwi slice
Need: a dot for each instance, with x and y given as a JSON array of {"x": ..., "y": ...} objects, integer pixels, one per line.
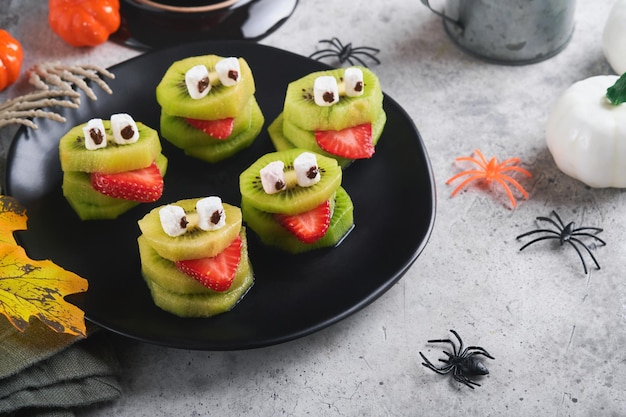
[
  {"x": 183, "y": 115},
  {"x": 262, "y": 210},
  {"x": 79, "y": 164},
  {"x": 173, "y": 289},
  {"x": 302, "y": 120}
]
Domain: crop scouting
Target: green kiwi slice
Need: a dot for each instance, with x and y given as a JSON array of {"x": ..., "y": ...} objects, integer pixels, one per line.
[
  {"x": 195, "y": 243},
  {"x": 165, "y": 273},
  {"x": 300, "y": 108},
  {"x": 217, "y": 150},
  {"x": 90, "y": 204},
  {"x": 221, "y": 102},
  {"x": 294, "y": 199},
  {"x": 181, "y": 295},
  {"x": 271, "y": 233},
  {"x": 176, "y": 130},
  {"x": 112, "y": 159}
]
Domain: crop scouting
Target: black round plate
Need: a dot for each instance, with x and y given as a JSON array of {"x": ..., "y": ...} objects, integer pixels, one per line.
[
  {"x": 393, "y": 194},
  {"x": 148, "y": 27}
]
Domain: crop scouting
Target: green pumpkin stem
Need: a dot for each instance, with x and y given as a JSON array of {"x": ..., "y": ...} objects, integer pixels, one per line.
[{"x": 617, "y": 92}]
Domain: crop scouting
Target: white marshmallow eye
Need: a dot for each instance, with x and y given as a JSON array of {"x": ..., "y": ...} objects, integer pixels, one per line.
[
  {"x": 211, "y": 215},
  {"x": 273, "y": 177},
  {"x": 228, "y": 71},
  {"x": 95, "y": 135},
  {"x": 124, "y": 129},
  {"x": 307, "y": 171},
  {"x": 325, "y": 91},
  {"x": 198, "y": 81},
  {"x": 173, "y": 220},
  {"x": 353, "y": 80}
]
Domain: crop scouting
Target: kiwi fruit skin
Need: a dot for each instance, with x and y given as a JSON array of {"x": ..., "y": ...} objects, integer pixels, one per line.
[
  {"x": 90, "y": 204},
  {"x": 181, "y": 134},
  {"x": 300, "y": 108},
  {"x": 179, "y": 294},
  {"x": 271, "y": 233},
  {"x": 221, "y": 102},
  {"x": 293, "y": 200},
  {"x": 196, "y": 243},
  {"x": 218, "y": 150},
  {"x": 112, "y": 159}
]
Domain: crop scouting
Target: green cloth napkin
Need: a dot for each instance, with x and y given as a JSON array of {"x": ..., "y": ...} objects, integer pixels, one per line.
[{"x": 48, "y": 374}]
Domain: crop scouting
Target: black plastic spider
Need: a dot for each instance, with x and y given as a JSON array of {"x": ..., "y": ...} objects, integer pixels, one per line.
[
  {"x": 345, "y": 52},
  {"x": 463, "y": 363},
  {"x": 567, "y": 233}
]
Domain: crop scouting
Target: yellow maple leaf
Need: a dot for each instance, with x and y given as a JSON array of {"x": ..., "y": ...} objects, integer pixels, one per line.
[
  {"x": 30, "y": 288},
  {"x": 12, "y": 218}
]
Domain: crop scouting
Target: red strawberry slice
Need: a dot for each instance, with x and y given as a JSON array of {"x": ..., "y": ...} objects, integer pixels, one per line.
[
  {"x": 309, "y": 226},
  {"x": 144, "y": 185},
  {"x": 352, "y": 142},
  {"x": 218, "y": 272},
  {"x": 218, "y": 129}
]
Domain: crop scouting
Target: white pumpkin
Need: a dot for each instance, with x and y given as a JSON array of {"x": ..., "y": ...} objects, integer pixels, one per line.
[
  {"x": 586, "y": 134},
  {"x": 614, "y": 37}
]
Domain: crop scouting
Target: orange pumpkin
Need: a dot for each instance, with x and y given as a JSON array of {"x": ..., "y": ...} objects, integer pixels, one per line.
[
  {"x": 84, "y": 22},
  {"x": 11, "y": 54}
]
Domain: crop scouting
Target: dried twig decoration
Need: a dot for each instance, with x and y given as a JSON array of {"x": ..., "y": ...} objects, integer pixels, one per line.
[
  {"x": 65, "y": 76},
  {"x": 63, "y": 79},
  {"x": 21, "y": 109}
]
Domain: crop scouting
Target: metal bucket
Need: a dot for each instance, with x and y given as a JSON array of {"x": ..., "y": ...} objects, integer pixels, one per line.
[{"x": 509, "y": 31}]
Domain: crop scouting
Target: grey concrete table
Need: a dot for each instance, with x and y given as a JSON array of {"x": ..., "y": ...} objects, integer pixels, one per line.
[{"x": 557, "y": 334}]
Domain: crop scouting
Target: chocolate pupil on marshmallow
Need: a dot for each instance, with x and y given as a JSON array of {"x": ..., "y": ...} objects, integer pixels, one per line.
[{"x": 96, "y": 135}]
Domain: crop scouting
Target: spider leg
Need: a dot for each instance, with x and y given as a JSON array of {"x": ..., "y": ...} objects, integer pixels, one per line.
[
  {"x": 587, "y": 249},
  {"x": 442, "y": 371},
  {"x": 514, "y": 168},
  {"x": 537, "y": 240},
  {"x": 477, "y": 350},
  {"x": 482, "y": 157},
  {"x": 554, "y": 213},
  {"x": 552, "y": 222},
  {"x": 481, "y": 164},
  {"x": 366, "y": 48},
  {"x": 537, "y": 231},
  {"x": 474, "y": 177},
  {"x": 516, "y": 185},
  {"x": 458, "y": 376},
  {"x": 448, "y": 341},
  {"x": 356, "y": 58},
  {"x": 508, "y": 191},
  {"x": 475, "y": 172},
  {"x": 591, "y": 235},
  {"x": 327, "y": 52},
  {"x": 356, "y": 51},
  {"x": 580, "y": 255}
]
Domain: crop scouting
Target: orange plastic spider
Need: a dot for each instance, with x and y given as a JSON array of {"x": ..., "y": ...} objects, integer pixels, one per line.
[{"x": 491, "y": 171}]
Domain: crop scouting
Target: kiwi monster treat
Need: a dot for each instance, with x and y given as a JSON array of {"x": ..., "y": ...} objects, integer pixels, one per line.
[
  {"x": 194, "y": 256},
  {"x": 208, "y": 107},
  {"x": 293, "y": 200},
  {"x": 337, "y": 113},
  {"x": 110, "y": 166}
]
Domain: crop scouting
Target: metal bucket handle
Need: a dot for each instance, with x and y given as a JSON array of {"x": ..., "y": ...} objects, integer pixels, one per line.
[{"x": 442, "y": 15}]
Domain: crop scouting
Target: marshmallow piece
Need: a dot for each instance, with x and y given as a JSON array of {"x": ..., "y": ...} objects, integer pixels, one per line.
[
  {"x": 273, "y": 177},
  {"x": 228, "y": 71},
  {"x": 325, "y": 90},
  {"x": 353, "y": 81},
  {"x": 173, "y": 220},
  {"x": 307, "y": 171},
  {"x": 124, "y": 129},
  {"x": 95, "y": 135},
  {"x": 198, "y": 81},
  {"x": 211, "y": 215}
]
